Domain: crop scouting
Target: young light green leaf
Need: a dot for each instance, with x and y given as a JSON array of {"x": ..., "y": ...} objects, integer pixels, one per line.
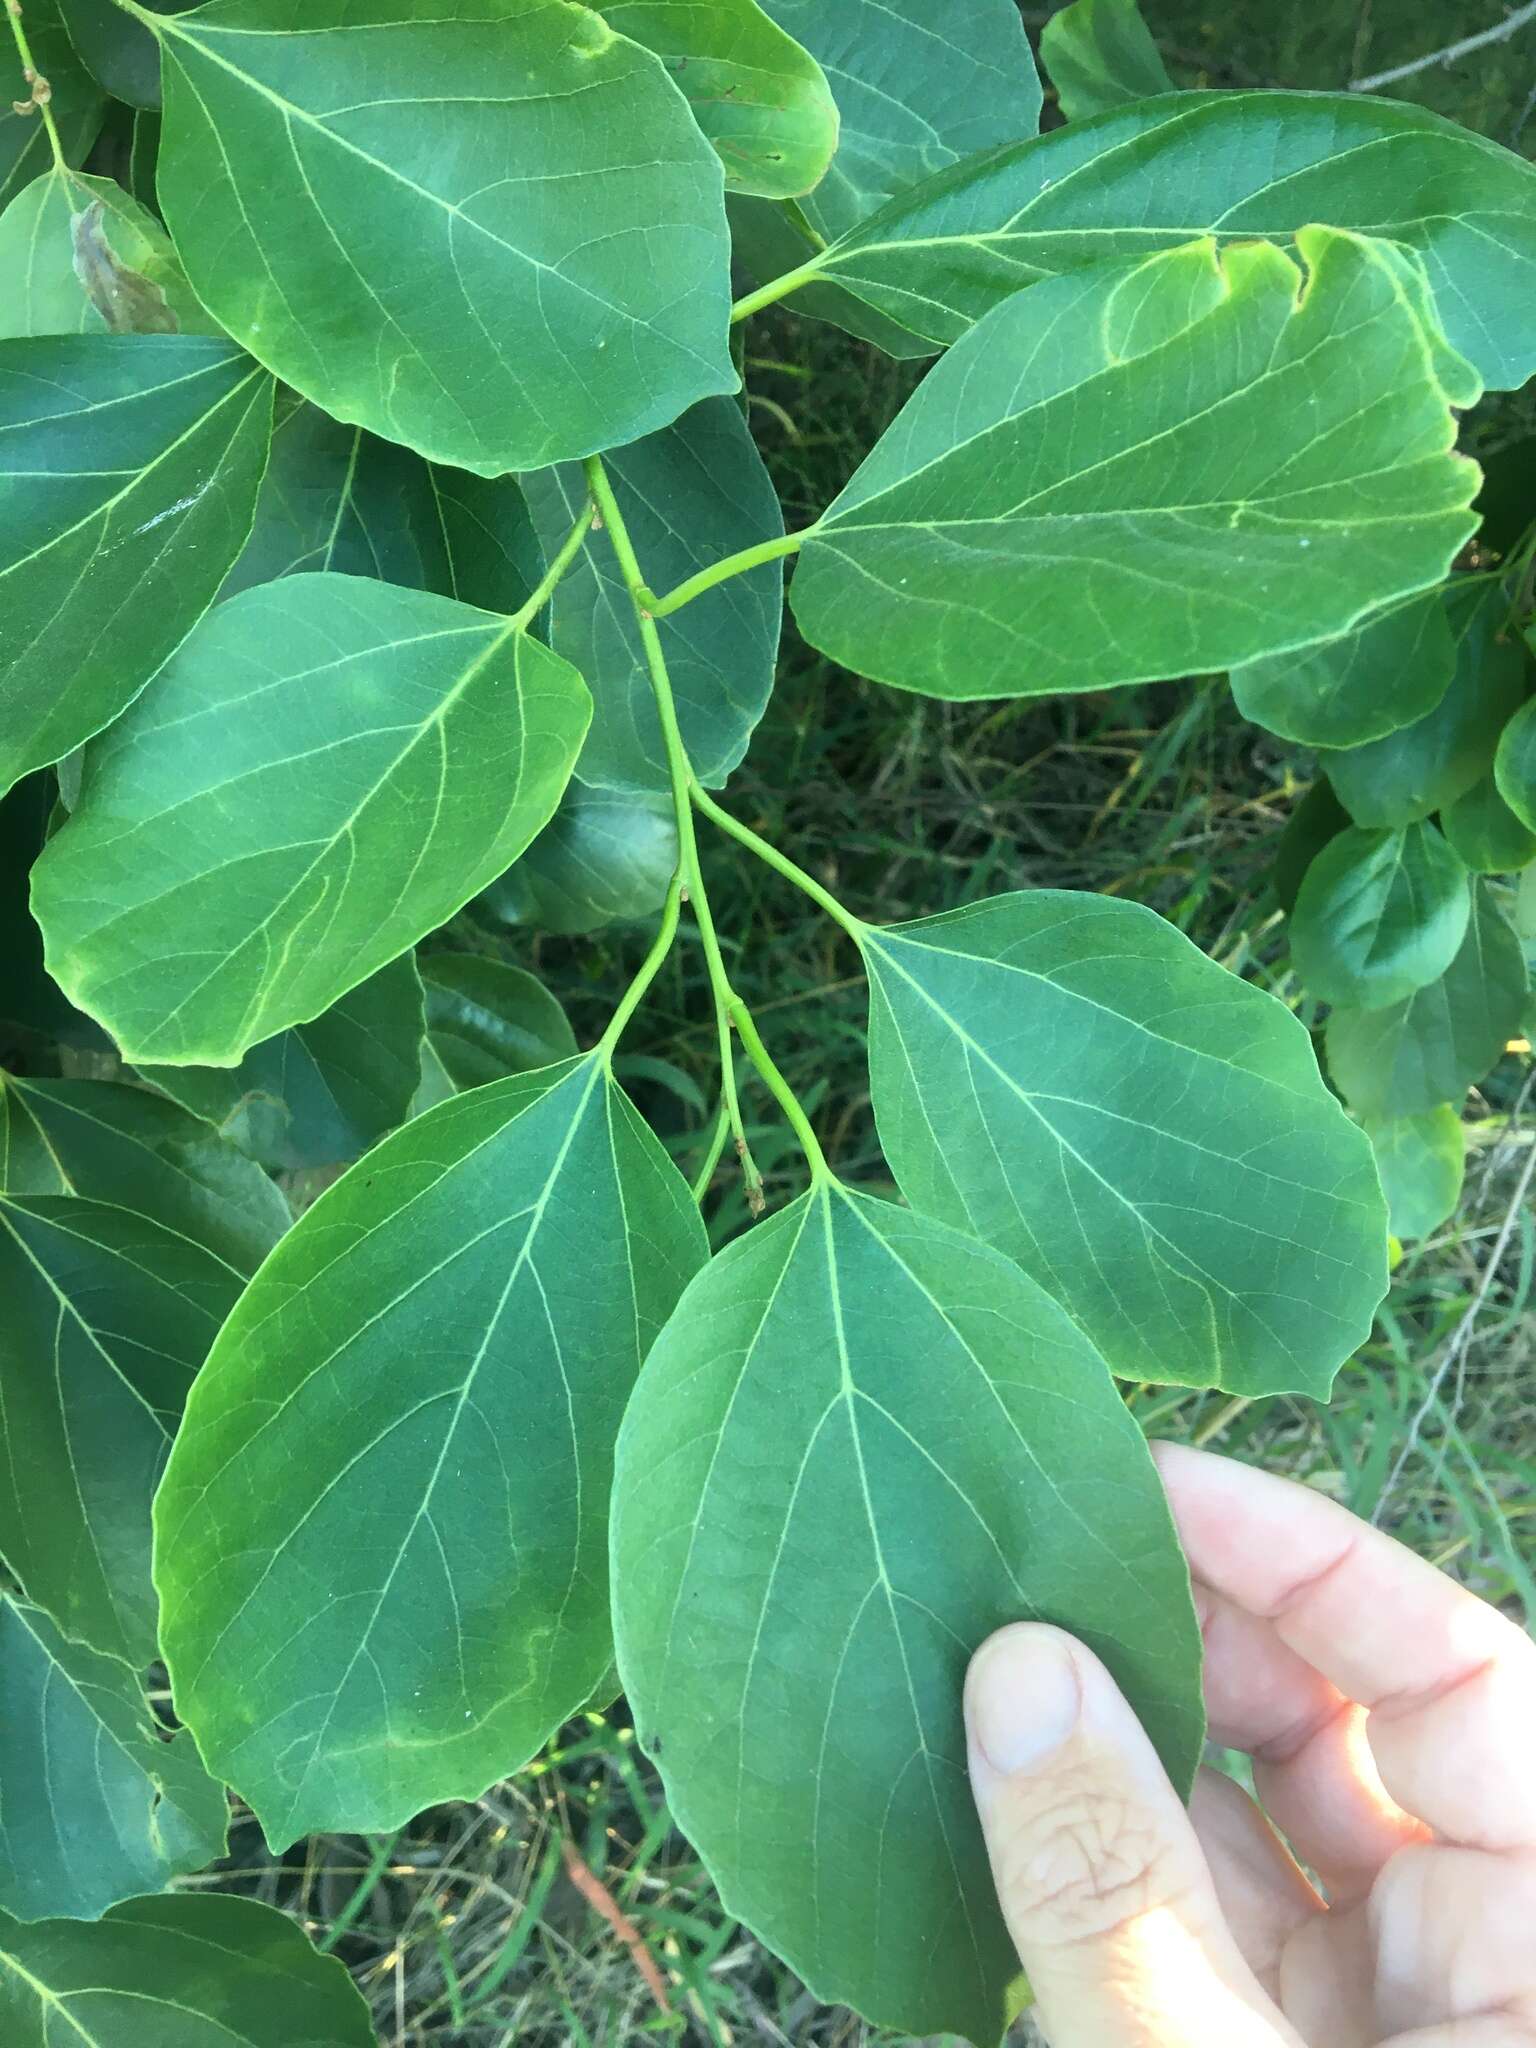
[
  {"x": 1409, "y": 1058},
  {"x": 408, "y": 215},
  {"x": 1149, "y": 1137},
  {"x": 1099, "y": 54},
  {"x": 122, "y": 1145},
  {"x": 249, "y": 846},
  {"x": 144, "y": 453},
  {"x": 76, "y": 102},
  {"x": 119, "y": 52},
  {"x": 51, "y": 249},
  {"x": 1236, "y": 164},
  {"x": 690, "y": 494},
  {"x": 337, "y": 498},
  {"x": 762, "y": 99},
  {"x": 1268, "y": 465},
  {"x": 1486, "y": 833},
  {"x": 405, "y": 1470},
  {"x": 1379, "y": 915},
  {"x": 487, "y": 1019},
  {"x": 320, "y": 1094},
  {"x": 108, "y": 1316},
  {"x": 97, "y": 1805},
  {"x": 1388, "y": 672},
  {"x": 606, "y": 856},
  {"x": 1316, "y": 820},
  {"x": 1421, "y": 1160},
  {"x": 1423, "y": 767},
  {"x": 862, "y": 1443},
  {"x": 177, "y": 1972},
  {"x": 1514, "y": 766}
]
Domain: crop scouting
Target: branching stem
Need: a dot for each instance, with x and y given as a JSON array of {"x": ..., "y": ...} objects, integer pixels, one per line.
[
  {"x": 719, "y": 572},
  {"x": 39, "y": 94},
  {"x": 779, "y": 862}
]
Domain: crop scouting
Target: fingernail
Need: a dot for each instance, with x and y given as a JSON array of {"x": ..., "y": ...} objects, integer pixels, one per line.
[{"x": 1024, "y": 1698}]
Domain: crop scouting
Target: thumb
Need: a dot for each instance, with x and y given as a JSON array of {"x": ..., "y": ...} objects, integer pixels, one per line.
[{"x": 1104, "y": 1887}]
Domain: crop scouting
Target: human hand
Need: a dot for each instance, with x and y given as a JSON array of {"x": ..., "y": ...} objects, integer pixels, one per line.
[{"x": 1391, "y": 1718}]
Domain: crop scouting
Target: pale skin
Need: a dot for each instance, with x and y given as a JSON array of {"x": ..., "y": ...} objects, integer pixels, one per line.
[{"x": 1391, "y": 1718}]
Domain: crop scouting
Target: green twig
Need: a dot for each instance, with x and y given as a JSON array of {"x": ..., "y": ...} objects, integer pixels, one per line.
[
  {"x": 778, "y": 288},
  {"x": 779, "y": 862},
  {"x": 39, "y": 93},
  {"x": 650, "y": 967},
  {"x": 706, "y": 1173},
  {"x": 564, "y": 556},
  {"x": 719, "y": 572}
]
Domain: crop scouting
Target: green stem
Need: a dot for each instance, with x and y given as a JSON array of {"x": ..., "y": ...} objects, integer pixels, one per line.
[
  {"x": 802, "y": 220},
  {"x": 706, "y": 1172},
  {"x": 39, "y": 89},
  {"x": 378, "y": 1862},
  {"x": 650, "y": 967},
  {"x": 780, "y": 862},
  {"x": 718, "y": 572},
  {"x": 567, "y": 552},
  {"x": 780, "y": 1089},
  {"x": 778, "y": 288}
]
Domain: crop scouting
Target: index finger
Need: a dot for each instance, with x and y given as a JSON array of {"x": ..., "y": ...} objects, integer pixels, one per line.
[{"x": 1449, "y": 1683}]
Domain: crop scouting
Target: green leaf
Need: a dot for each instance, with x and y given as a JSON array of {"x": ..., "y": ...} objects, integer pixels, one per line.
[
  {"x": 146, "y": 451},
  {"x": 1407, "y": 1059},
  {"x": 1100, "y": 55},
  {"x": 50, "y": 235},
  {"x": 116, "y": 1144},
  {"x": 188, "y": 1971},
  {"x": 1423, "y": 767},
  {"x": 1421, "y": 1160},
  {"x": 605, "y": 857},
  {"x": 862, "y": 1443},
  {"x": 1316, "y": 820},
  {"x": 248, "y": 846},
  {"x": 1486, "y": 833},
  {"x": 1514, "y": 765},
  {"x": 1183, "y": 428},
  {"x": 320, "y": 1094},
  {"x": 408, "y": 216},
  {"x": 1380, "y": 914},
  {"x": 690, "y": 494},
  {"x": 337, "y": 498},
  {"x": 77, "y": 103},
  {"x": 768, "y": 241},
  {"x": 108, "y": 1316},
  {"x": 412, "y": 1459},
  {"x": 98, "y": 1806},
  {"x": 762, "y": 100},
  {"x": 1390, "y": 671},
  {"x": 488, "y": 1019},
  {"x": 1237, "y": 164},
  {"x": 119, "y": 52},
  {"x": 1149, "y": 1137}
]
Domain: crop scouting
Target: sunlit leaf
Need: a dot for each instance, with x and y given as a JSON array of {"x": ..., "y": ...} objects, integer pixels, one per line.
[
  {"x": 487, "y": 1019},
  {"x": 1387, "y": 673},
  {"x": 605, "y": 856},
  {"x": 1100, "y": 54},
  {"x": 49, "y": 236},
  {"x": 1421, "y": 1160},
  {"x": 1379, "y": 915}
]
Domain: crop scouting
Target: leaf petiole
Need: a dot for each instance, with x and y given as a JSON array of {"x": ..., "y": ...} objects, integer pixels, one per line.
[
  {"x": 649, "y": 968},
  {"x": 38, "y": 93},
  {"x": 719, "y": 572},
  {"x": 563, "y": 557},
  {"x": 767, "y": 852},
  {"x": 778, "y": 288}
]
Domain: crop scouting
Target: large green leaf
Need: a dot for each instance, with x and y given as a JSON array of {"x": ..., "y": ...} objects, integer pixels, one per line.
[
  {"x": 1069, "y": 1078},
  {"x": 107, "y": 1317},
  {"x": 1389, "y": 672},
  {"x": 1431, "y": 1048},
  {"x": 64, "y": 222},
  {"x": 118, "y": 51},
  {"x": 1423, "y": 767},
  {"x": 130, "y": 465},
  {"x": 388, "y": 1503},
  {"x": 1486, "y": 833},
  {"x": 1421, "y": 1160},
  {"x": 326, "y": 771},
  {"x": 337, "y": 498},
  {"x": 95, "y": 1806},
  {"x": 1146, "y": 470},
  {"x": 762, "y": 99},
  {"x": 1100, "y": 54},
  {"x": 486, "y": 228},
  {"x": 77, "y": 102},
  {"x": 1237, "y": 164},
  {"x": 1379, "y": 915},
  {"x": 321, "y": 1093},
  {"x": 606, "y": 856},
  {"x": 487, "y": 1019},
  {"x": 690, "y": 494},
  {"x": 197, "y": 1970},
  {"x": 861, "y": 1444},
  {"x": 1515, "y": 764},
  {"x": 117, "y": 1144}
]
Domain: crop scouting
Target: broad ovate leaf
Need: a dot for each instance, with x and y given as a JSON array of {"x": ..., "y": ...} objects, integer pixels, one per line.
[
  {"x": 179, "y": 1972},
  {"x": 1099, "y": 55},
  {"x": 862, "y": 1443},
  {"x": 108, "y": 1316},
  {"x": 487, "y": 1019},
  {"x": 390, "y": 1492},
  {"x": 76, "y": 103},
  {"x": 1146, "y": 470},
  {"x": 689, "y": 494},
  {"x": 81, "y": 256},
  {"x": 1421, "y": 1160},
  {"x": 1316, "y": 820},
  {"x": 132, "y": 463},
  {"x": 97, "y": 1805},
  {"x": 1388, "y": 672},
  {"x": 409, "y": 213},
  {"x": 606, "y": 856},
  {"x": 327, "y": 770},
  {"x": 1069, "y": 1078},
  {"x": 1514, "y": 765},
  {"x": 1487, "y": 835},
  {"x": 1379, "y": 915}
]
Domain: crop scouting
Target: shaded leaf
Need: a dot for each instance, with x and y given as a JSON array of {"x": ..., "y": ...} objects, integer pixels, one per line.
[
  {"x": 606, "y": 856},
  {"x": 248, "y": 846},
  {"x": 42, "y": 260},
  {"x": 119, "y": 52},
  {"x": 1486, "y": 833},
  {"x": 862, "y": 1443},
  {"x": 77, "y": 103},
  {"x": 1148, "y": 1136},
  {"x": 1507, "y": 501},
  {"x": 145, "y": 451},
  {"x": 413, "y": 1459},
  {"x": 1387, "y": 673},
  {"x": 1316, "y": 820},
  {"x": 1269, "y": 468},
  {"x": 422, "y": 276},
  {"x": 1421, "y": 1160},
  {"x": 1514, "y": 765},
  {"x": 768, "y": 241},
  {"x": 488, "y": 1019},
  {"x": 98, "y": 1806},
  {"x": 1099, "y": 55},
  {"x": 32, "y": 1005},
  {"x": 1380, "y": 914}
]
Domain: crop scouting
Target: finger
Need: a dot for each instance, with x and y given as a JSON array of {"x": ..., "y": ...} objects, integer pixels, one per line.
[
  {"x": 1492, "y": 2030},
  {"x": 1099, "y": 1874},
  {"x": 1455, "y": 1936},
  {"x": 1442, "y": 1672},
  {"x": 1263, "y": 1896}
]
